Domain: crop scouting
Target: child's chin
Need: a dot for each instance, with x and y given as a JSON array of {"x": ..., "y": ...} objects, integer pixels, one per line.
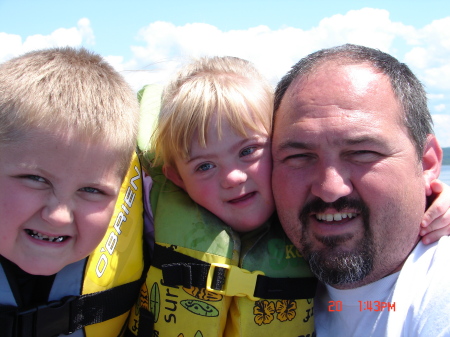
[
  {"x": 246, "y": 227},
  {"x": 43, "y": 269}
]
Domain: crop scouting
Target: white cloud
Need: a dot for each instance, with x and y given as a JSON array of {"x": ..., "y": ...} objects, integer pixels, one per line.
[
  {"x": 438, "y": 77},
  {"x": 441, "y": 128},
  {"x": 12, "y": 45},
  {"x": 273, "y": 51},
  {"x": 436, "y": 96},
  {"x": 439, "y": 107},
  {"x": 163, "y": 46}
]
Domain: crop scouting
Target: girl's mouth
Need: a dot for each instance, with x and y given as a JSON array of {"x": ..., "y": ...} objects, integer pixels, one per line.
[{"x": 243, "y": 198}]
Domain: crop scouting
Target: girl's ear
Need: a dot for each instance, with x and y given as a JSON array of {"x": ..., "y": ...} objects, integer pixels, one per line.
[
  {"x": 172, "y": 174},
  {"x": 431, "y": 162}
]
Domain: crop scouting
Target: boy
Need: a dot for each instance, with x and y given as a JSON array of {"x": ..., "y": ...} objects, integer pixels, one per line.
[
  {"x": 213, "y": 140},
  {"x": 68, "y": 124}
]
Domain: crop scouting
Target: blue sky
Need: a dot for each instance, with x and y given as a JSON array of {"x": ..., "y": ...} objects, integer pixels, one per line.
[{"x": 148, "y": 40}]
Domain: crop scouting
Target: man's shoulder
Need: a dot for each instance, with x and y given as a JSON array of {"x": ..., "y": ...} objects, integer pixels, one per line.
[
  {"x": 431, "y": 255},
  {"x": 422, "y": 292},
  {"x": 426, "y": 264}
]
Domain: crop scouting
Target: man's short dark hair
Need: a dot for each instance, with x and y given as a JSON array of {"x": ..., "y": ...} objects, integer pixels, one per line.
[{"x": 408, "y": 89}]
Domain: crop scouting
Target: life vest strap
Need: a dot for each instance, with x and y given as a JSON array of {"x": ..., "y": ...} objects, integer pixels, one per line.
[
  {"x": 180, "y": 269},
  {"x": 69, "y": 314}
]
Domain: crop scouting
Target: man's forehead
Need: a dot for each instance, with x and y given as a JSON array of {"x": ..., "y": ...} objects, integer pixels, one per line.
[
  {"x": 349, "y": 87},
  {"x": 332, "y": 78}
]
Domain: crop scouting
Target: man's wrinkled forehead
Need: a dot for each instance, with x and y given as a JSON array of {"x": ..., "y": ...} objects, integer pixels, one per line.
[{"x": 329, "y": 84}]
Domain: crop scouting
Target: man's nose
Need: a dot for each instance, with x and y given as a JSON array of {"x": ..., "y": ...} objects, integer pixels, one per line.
[{"x": 331, "y": 183}]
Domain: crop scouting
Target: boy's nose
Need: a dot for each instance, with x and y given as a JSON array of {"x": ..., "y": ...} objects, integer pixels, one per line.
[
  {"x": 57, "y": 214},
  {"x": 233, "y": 178}
]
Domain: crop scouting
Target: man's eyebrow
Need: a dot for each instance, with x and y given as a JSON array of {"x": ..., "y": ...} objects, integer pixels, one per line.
[
  {"x": 362, "y": 140},
  {"x": 290, "y": 144}
]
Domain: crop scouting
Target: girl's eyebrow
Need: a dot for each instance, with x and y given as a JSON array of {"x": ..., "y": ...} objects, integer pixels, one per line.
[{"x": 235, "y": 147}]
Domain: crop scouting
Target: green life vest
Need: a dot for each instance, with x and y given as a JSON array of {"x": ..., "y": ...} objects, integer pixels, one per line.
[{"x": 206, "y": 280}]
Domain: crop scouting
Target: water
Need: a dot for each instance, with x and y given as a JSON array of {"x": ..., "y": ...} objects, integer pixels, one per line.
[{"x": 445, "y": 174}]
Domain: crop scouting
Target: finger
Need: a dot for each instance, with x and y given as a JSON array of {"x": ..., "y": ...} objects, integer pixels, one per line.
[
  {"x": 435, "y": 235},
  {"x": 439, "y": 223},
  {"x": 440, "y": 205},
  {"x": 437, "y": 216},
  {"x": 437, "y": 186}
]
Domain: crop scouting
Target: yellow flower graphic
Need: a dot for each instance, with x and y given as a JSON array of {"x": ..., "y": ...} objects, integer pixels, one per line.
[
  {"x": 263, "y": 311},
  {"x": 286, "y": 310}
]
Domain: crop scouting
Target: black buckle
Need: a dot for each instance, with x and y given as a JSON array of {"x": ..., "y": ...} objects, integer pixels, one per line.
[{"x": 47, "y": 320}]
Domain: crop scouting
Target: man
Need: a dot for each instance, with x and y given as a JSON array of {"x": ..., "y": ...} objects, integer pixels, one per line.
[{"x": 354, "y": 156}]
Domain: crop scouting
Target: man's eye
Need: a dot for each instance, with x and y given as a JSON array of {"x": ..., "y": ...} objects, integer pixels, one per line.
[
  {"x": 205, "y": 167},
  {"x": 247, "y": 151},
  {"x": 296, "y": 157},
  {"x": 366, "y": 156},
  {"x": 299, "y": 160}
]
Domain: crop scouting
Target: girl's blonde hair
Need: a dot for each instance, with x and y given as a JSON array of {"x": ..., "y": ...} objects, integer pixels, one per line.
[{"x": 229, "y": 88}]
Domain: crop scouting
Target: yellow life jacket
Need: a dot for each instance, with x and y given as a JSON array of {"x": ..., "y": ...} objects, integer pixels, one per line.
[
  {"x": 176, "y": 290},
  {"x": 91, "y": 297},
  {"x": 201, "y": 282},
  {"x": 286, "y": 304}
]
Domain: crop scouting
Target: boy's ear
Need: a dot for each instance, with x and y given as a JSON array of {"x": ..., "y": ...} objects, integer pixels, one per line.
[
  {"x": 431, "y": 162},
  {"x": 172, "y": 174}
]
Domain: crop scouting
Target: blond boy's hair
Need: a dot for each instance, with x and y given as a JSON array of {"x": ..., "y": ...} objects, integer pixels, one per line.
[
  {"x": 229, "y": 88},
  {"x": 68, "y": 91}
]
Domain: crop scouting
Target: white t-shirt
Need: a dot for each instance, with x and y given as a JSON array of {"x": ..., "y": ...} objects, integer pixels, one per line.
[{"x": 412, "y": 302}]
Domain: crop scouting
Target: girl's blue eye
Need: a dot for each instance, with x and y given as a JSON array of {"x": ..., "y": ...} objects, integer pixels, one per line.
[
  {"x": 205, "y": 167},
  {"x": 247, "y": 151}
]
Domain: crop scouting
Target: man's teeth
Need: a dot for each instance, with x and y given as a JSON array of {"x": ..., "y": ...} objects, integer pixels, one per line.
[
  {"x": 335, "y": 216},
  {"x": 43, "y": 237}
]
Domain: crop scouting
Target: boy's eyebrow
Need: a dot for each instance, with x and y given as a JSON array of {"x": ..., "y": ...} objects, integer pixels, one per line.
[{"x": 48, "y": 175}]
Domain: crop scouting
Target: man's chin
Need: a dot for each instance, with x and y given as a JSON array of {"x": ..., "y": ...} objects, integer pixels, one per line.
[{"x": 340, "y": 266}]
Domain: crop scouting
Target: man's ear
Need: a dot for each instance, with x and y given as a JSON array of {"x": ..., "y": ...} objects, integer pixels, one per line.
[
  {"x": 431, "y": 162},
  {"x": 172, "y": 174}
]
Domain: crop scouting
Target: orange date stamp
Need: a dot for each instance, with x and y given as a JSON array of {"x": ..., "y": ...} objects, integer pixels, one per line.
[{"x": 364, "y": 306}]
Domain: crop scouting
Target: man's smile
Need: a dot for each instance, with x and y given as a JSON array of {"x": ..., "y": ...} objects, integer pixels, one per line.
[{"x": 335, "y": 216}]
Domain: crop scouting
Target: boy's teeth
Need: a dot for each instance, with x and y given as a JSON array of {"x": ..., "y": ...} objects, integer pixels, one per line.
[
  {"x": 43, "y": 237},
  {"x": 335, "y": 216}
]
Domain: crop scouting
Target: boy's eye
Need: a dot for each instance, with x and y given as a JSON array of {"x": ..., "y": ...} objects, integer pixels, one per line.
[
  {"x": 247, "y": 151},
  {"x": 205, "y": 167},
  {"x": 90, "y": 190},
  {"x": 35, "y": 178},
  {"x": 34, "y": 181}
]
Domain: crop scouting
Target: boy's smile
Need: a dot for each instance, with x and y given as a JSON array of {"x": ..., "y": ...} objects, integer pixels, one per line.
[
  {"x": 230, "y": 176},
  {"x": 43, "y": 237},
  {"x": 57, "y": 195}
]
